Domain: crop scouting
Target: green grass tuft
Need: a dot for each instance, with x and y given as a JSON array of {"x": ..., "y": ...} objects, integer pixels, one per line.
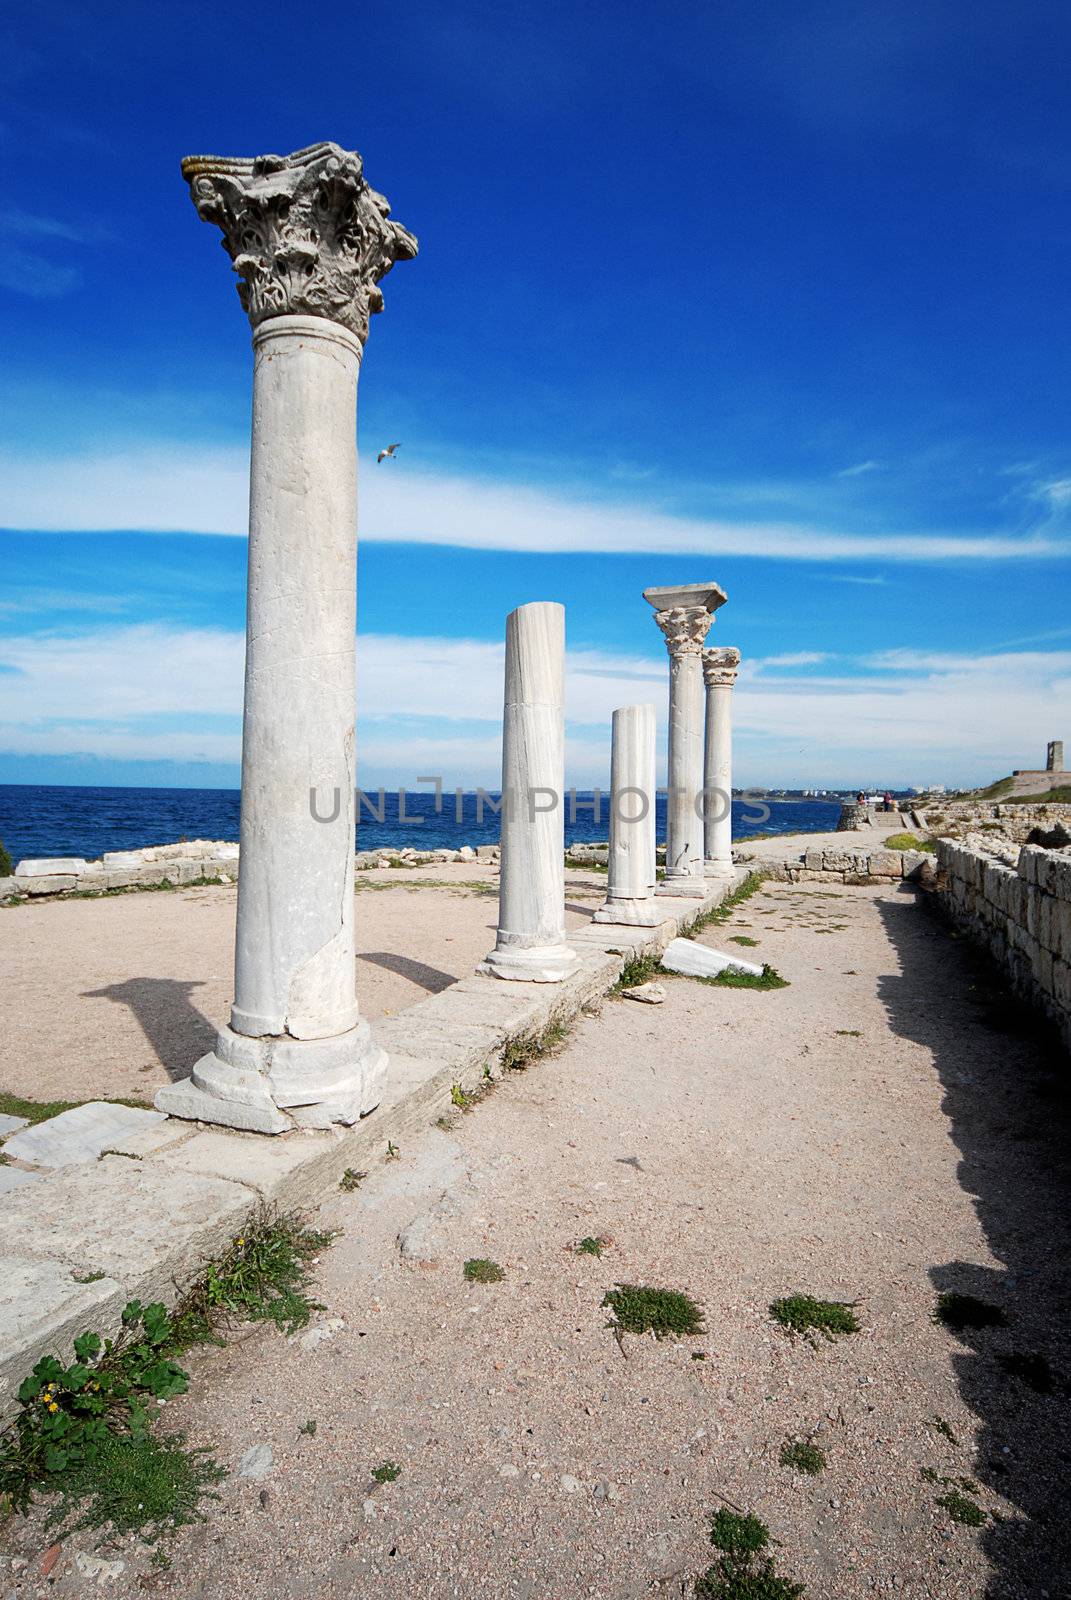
[
  {"x": 387, "y": 1472},
  {"x": 738, "y": 1535},
  {"x": 802, "y": 1456},
  {"x": 959, "y": 1311},
  {"x": 480, "y": 1270},
  {"x": 799, "y": 1313},
  {"x": 519, "y": 1053},
  {"x": 961, "y": 1508},
  {"x": 12, "y": 1105},
  {"x": 589, "y": 1247},
  {"x": 742, "y": 938},
  {"x": 735, "y": 1575},
  {"x": 263, "y": 1277},
  {"x": 909, "y": 841},
  {"x": 667, "y": 1313},
  {"x": 768, "y": 978},
  {"x": 137, "y": 1484}
]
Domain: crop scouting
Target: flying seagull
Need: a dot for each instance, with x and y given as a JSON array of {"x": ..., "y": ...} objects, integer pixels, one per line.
[{"x": 387, "y": 454}]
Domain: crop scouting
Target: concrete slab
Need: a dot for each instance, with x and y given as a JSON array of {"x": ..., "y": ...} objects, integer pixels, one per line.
[
  {"x": 80, "y": 1134},
  {"x": 49, "y": 866},
  {"x": 43, "y": 1309},
  {"x": 136, "y": 1221}
]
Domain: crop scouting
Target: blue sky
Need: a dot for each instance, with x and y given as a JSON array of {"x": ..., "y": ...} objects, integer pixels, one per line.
[{"x": 771, "y": 294}]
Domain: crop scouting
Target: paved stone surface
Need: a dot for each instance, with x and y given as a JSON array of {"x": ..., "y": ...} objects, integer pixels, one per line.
[
  {"x": 42, "y": 1310},
  {"x": 14, "y": 1178},
  {"x": 80, "y": 1134},
  {"x": 12, "y": 1125}
]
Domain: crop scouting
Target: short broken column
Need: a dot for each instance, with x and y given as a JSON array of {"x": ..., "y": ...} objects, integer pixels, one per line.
[
  {"x": 310, "y": 241},
  {"x": 629, "y": 896},
  {"x": 719, "y": 674},
  {"x": 684, "y": 614},
  {"x": 531, "y": 907}
]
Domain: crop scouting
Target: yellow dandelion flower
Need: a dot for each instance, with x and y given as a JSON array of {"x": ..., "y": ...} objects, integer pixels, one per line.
[
  {"x": 52, "y": 1406},
  {"x": 239, "y": 1242}
]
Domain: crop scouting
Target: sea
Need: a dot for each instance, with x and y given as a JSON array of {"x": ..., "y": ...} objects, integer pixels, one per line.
[{"x": 67, "y": 820}]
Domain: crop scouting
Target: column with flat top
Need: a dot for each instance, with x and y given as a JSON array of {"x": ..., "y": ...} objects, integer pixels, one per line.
[
  {"x": 719, "y": 675},
  {"x": 531, "y": 943},
  {"x": 629, "y": 896},
  {"x": 309, "y": 241}
]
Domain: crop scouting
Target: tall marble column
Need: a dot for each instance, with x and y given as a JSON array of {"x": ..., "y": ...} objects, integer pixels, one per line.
[
  {"x": 531, "y": 905},
  {"x": 629, "y": 896},
  {"x": 310, "y": 241},
  {"x": 719, "y": 674},
  {"x": 684, "y": 614}
]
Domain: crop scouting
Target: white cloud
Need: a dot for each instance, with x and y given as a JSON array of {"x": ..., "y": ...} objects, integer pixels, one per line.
[
  {"x": 430, "y": 705},
  {"x": 200, "y": 489},
  {"x": 860, "y": 469}
]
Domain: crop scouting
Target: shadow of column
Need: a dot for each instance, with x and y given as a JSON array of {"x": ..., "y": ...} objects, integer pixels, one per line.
[
  {"x": 430, "y": 978},
  {"x": 177, "y": 1031},
  {"x": 1006, "y": 1094}
]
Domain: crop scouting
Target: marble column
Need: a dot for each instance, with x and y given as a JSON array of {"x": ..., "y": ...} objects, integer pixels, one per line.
[
  {"x": 629, "y": 896},
  {"x": 719, "y": 675},
  {"x": 531, "y": 907},
  {"x": 684, "y": 614},
  {"x": 310, "y": 241}
]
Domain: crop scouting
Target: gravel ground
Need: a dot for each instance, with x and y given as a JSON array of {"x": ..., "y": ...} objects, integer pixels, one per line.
[
  {"x": 113, "y": 998},
  {"x": 881, "y": 1130}
]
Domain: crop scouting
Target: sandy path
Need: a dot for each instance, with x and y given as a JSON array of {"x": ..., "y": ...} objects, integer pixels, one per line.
[
  {"x": 115, "y": 997},
  {"x": 869, "y": 1133}
]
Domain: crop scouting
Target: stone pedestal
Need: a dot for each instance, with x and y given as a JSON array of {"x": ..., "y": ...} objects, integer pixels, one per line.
[
  {"x": 310, "y": 241},
  {"x": 719, "y": 674},
  {"x": 684, "y": 614},
  {"x": 629, "y": 896},
  {"x": 531, "y": 908}
]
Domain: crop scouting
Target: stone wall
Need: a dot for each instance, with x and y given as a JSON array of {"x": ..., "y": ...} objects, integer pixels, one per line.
[
  {"x": 958, "y": 818},
  {"x": 1017, "y": 903},
  {"x": 830, "y": 864},
  {"x": 188, "y": 862}
]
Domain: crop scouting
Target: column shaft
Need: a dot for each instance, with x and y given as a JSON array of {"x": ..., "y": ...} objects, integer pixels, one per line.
[
  {"x": 718, "y": 777},
  {"x": 684, "y": 824},
  {"x": 531, "y": 918},
  {"x": 630, "y": 868}
]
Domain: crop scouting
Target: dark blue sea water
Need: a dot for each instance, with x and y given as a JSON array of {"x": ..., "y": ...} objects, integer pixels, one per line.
[{"x": 55, "y": 820}]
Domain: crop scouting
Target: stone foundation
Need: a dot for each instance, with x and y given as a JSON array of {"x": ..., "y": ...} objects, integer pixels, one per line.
[
  {"x": 1016, "y": 903},
  {"x": 958, "y": 818}
]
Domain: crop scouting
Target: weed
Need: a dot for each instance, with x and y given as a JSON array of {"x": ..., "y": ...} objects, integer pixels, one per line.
[
  {"x": 7, "y": 866},
  {"x": 849, "y": 1033},
  {"x": 137, "y": 1484},
  {"x": 910, "y": 841},
  {"x": 959, "y": 1311},
  {"x": 480, "y": 1270},
  {"x": 88, "y": 1277},
  {"x": 393, "y": 1153},
  {"x": 351, "y": 1179},
  {"x": 589, "y": 1247},
  {"x": 262, "y": 1277},
  {"x": 740, "y": 1539},
  {"x": 309, "y": 1427},
  {"x": 961, "y": 1508},
  {"x": 799, "y": 1313},
  {"x": 641, "y": 969},
  {"x": 664, "y": 1312},
  {"x": 519, "y": 1053},
  {"x": 586, "y": 866},
  {"x": 387, "y": 1472},
  {"x": 742, "y": 938},
  {"x": 1033, "y": 1370},
  {"x": 459, "y": 1098},
  {"x": 768, "y": 978},
  {"x": 802, "y": 1456},
  {"x": 939, "y": 1425}
]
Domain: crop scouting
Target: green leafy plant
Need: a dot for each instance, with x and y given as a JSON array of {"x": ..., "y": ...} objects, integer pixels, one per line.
[
  {"x": 768, "y": 978},
  {"x": 640, "y": 969},
  {"x": 66, "y": 1413},
  {"x": 959, "y": 1311},
  {"x": 309, "y": 1427},
  {"x": 589, "y": 1247},
  {"x": 459, "y": 1098},
  {"x": 800, "y": 1313},
  {"x": 909, "y": 841},
  {"x": 7, "y": 866},
  {"x": 480, "y": 1270},
  {"x": 667, "y": 1313},
  {"x": 961, "y": 1508},
  {"x": 387, "y": 1472},
  {"x": 392, "y": 1151},
  {"x": 262, "y": 1277},
  {"x": 803, "y": 1456},
  {"x": 944, "y": 1428},
  {"x": 528, "y": 1047},
  {"x": 351, "y": 1179},
  {"x": 739, "y": 1574},
  {"x": 137, "y": 1484}
]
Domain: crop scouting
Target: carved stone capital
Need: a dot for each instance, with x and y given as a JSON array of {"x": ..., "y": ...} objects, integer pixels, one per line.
[
  {"x": 720, "y": 665},
  {"x": 685, "y": 628},
  {"x": 305, "y": 232}
]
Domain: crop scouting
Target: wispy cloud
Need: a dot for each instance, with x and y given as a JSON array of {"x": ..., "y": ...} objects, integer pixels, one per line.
[
  {"x": 197, "y": 489},
  {"x": 860, "y": 469}
]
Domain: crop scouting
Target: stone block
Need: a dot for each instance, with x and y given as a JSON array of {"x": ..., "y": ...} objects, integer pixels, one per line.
[
  {"x": 886, "y": 864},
  {"x": 1034, "y": 900},
  {"x": 1061, "y": 984},
  {"x": 118, "y": 860},
  {"x": 41, "y": 886},
  {"x": 700, "y": 961},
  {"x": 814, "y": 860},
  {"x": 281, "y": 1170},
  {"x": 50, "y": 867},
  {"x": 78, "y": 1135},
  {"x": 138, "y": 1222},
  {"x": 7, "y": 888},
  {"x": 14, "y": 1178},
  {"x": 43, "y": 1309},
  {"x": 12, "y": 1124}
]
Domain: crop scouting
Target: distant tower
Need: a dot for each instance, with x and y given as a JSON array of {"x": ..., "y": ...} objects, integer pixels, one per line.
[{"x": 1054, "y": 756}]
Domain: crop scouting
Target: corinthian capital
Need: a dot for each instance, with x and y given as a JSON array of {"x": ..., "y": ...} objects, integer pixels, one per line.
[
  {"x": 305, "y": 232},
  {"x": 685, "y": 628},
  {"x": 720, "y": 665}
]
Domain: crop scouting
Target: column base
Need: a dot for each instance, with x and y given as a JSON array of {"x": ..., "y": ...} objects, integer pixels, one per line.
[
  {"x": 690, "y": 888},
  {"x": 715, "y": 867},
  {"x": 631, "y": 913},
  {"x": 546, "y": 963},
  {"x": 271, "y": 1085}
]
